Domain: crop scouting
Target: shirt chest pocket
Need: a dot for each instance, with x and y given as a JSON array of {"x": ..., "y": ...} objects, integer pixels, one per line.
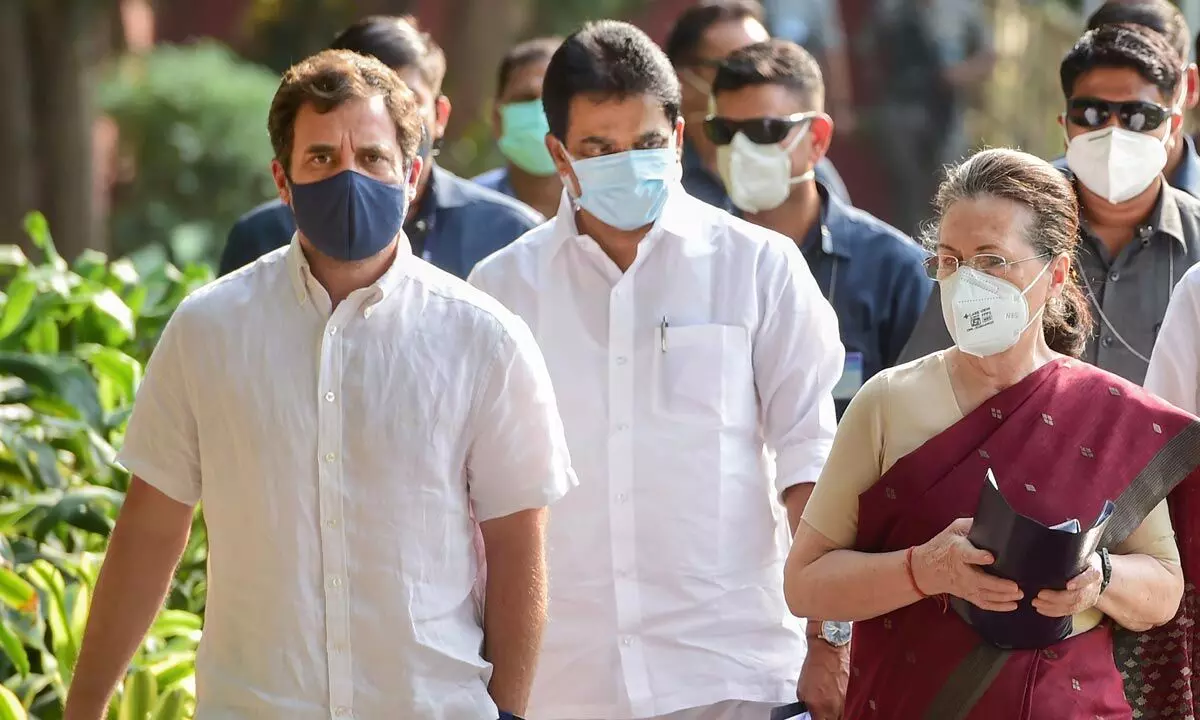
[{"x": 703, "y": 374}]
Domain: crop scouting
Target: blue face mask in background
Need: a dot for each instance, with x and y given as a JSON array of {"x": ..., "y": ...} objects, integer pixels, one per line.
[
  {"x": 523, "y": 128},
  {"x": 627, "y": 190},
  {"x": 349, "y": 216}
]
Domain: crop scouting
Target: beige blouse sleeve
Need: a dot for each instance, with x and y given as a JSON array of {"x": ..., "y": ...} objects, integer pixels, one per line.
[
  {"x": 854, "y": 465},
  {"x": 1154, "y": 537}
]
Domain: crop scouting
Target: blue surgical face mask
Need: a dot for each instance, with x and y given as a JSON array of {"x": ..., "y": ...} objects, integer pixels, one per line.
[
  {"x": 349, "y": 216},
  {"x": 627, "y": 190},
  {"x": 523, "y": 129}
]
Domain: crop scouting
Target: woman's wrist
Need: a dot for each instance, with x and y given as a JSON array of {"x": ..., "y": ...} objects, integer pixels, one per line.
[{"x": 916, "y": 565}]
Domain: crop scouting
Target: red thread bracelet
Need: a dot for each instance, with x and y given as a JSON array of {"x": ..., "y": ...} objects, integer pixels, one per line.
[{"x": 912, "y": 578}]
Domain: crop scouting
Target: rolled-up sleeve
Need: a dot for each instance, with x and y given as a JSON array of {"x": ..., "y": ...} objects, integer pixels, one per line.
[
  {"x": 162, "y": 441},
  {"x": 798, "y": 358},
  {"x": 518, "y": 459},
  {"x": 1175, "y": 362}
]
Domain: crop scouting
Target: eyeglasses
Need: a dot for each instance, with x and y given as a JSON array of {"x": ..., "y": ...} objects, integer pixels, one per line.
[
  {"x": 760, "y": 131},
  {"x": 1136, "y": 116},
  {"x": 940, "y": 267}
]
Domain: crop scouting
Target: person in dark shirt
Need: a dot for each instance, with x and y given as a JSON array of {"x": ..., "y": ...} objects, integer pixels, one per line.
[
  {"x": 452, "y": 223},
  {"x": 770, "y": 129},
  {"x": 519, "y": 122},
  {"x": 1121, "y": 87},
  {"x": 700, "y": 39}
]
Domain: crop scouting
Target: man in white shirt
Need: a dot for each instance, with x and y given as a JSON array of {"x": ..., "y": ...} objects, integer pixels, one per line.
[
  {"x": 683, "y": 343},
  {"x": 1174, "y": 373},
  {"x": 340, "y": 407}
]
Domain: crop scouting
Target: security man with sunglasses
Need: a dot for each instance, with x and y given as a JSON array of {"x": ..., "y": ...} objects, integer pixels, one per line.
[
  {"x": 1183, "y": 164},
  {"x": 1121, "y": 85},
  {"x": 770, "y": 130}
]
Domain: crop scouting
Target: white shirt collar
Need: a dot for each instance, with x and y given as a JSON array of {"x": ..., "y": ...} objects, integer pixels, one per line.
[{"x": 304, "y": 284}]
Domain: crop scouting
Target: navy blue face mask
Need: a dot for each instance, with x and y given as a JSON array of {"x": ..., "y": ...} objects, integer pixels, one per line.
[{"x": 349, "y": 216}]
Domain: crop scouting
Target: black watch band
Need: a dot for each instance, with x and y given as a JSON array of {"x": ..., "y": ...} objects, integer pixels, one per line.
[{"x": 1105, "y": 569}]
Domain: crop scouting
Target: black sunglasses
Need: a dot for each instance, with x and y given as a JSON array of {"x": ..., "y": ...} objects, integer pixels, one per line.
[
  {"x": 1136, "y": 116},
  {"x": 760, "y": 131}
]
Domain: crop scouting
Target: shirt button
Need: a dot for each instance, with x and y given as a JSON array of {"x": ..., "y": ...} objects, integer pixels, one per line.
[
  {"x": 1114, "y": 276},
  {"x": 335, "y": 582},
  {"x": 342, "y": 712},
  {"x": 622, "y": 360},
  {"x": 333, "y": 330},
  {"x": 331, "y": 523},
  {"x": 626, "y": 641},
  {"x": 330, "y": 396},
  {"x": 622, "y": 427},
  {"x": 329, "y": 457},
  {"x": 1107, "y": 341},
  {"x": 367, "y": 312},
  {"x": 622, "y": 497},
  {"x": 339, "y": 648}
]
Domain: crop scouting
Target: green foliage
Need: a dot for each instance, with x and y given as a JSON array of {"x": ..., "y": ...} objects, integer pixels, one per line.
[
  {"x": 73, "y": 341},
  {"x": 193, "y": 128}
]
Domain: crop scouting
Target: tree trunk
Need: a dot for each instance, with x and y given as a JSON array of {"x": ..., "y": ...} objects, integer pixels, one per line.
[
  {"x": 67, "y": 41},
  {"x": 18, "y": 183},
  {"x": 484, "y": 30}
]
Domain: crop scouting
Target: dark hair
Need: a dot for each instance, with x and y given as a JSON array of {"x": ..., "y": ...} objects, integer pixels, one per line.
[
  {"x": 690, "y": 27},
  {"x": 1122, "y": 46},
  {"x": 398, "y": 43},
  {"x": 331, "y": 78},
  {"x": 773, "y": 62},
  {"x": 522, "y": 54},
  {"x": 1045, "y": 192},
  {"x": 607, "y": 59},
  {"x": 1160, "y": 16}
]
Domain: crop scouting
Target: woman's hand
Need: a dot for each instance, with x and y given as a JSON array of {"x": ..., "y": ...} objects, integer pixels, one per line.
[
  {"x": 1082, "y": 593},
  {"x": 949, "y": 563}
]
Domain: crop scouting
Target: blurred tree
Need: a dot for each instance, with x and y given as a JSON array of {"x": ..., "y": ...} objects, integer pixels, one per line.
[{"x": 48, "y": 49}]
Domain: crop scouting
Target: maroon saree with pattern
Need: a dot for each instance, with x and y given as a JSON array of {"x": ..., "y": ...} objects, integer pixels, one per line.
[{"x": 1061, "y": 442}]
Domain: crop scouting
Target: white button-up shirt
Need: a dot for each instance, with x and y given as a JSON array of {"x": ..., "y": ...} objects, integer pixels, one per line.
[
  {"x": 338, "y": 453},
  {"x": 666, "y": 564},
  {"x": 1174, "y": 373}
]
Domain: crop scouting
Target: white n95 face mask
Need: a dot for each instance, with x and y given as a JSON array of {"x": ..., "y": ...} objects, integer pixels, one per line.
[
  {"x": 1115, "y": 163},
  {"x": 986, "y": 315},
  {"x": 759, "y": 177}
]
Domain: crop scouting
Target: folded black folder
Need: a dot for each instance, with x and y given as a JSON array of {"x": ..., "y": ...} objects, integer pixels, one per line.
[
  {"x": 1037, "y": 557},
  {"x": 789, "y": 712}
]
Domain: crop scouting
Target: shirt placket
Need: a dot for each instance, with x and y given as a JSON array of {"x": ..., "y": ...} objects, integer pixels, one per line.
[
  {"x": 621, "y": 336},
  {"x": 330, "y": 481}
]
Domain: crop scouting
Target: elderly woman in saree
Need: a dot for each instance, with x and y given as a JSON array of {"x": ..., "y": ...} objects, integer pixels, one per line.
[{"x": 884, "y": 538}]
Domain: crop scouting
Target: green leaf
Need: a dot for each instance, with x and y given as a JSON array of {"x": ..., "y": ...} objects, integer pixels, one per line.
[
  {"x": 43, "y": 337},
  {"x": 111, "y": 306},
  {"x": 173, "y": 706},
  {"x": 63, "y": 642},
  {"x": 21, "y": 293},
  {"x": 39, "y": 232},
  {"x": 124, "y": 371},
  {"x": 177, "y": 622},
  {"x": 10, "y": 706},
  {"x": 174, "y": 668},
  {"x": 16, "y": 592},
  {"x": 140, "y": 696},
  {"x": 63, "y": 377},
  {"x": 14, "y": 648}
]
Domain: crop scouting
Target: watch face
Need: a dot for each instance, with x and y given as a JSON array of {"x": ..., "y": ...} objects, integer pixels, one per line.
[{"x": 836, "y": 633}]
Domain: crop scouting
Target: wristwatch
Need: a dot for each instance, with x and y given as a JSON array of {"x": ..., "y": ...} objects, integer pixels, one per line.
[
  {"x": 1105, "y": 569},
  {"x": 835, "y": 633}
]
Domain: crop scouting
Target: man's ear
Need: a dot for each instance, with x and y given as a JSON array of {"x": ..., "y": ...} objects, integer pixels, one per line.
[
  {"x": 562, "y": 164},
  {"x": 1191, "y": 78},
  {"x": 820, "y": 130},
  {"x": 680, "y": 125},
  {"x": 441, "y": 111},
  {"x": 282, "y": 185},
  {"x": 497, "y": 122}
]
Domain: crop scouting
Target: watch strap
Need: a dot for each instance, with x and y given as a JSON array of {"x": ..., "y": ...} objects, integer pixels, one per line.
[{"x": 1105, "y": 569}]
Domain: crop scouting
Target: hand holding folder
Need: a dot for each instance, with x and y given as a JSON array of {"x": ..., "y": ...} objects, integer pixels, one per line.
[{"x": 1036, "y": 557}]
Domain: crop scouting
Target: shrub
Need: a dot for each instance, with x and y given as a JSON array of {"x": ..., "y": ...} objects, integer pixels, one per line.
[
  {"x": 193, "y": 128},
  {"x": 73, "y": 341}
]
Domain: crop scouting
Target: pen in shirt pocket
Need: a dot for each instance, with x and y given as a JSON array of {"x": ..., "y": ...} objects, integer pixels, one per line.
[{"x": 662, "y": 333}]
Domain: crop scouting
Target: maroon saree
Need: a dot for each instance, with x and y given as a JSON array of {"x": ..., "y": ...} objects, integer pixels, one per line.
[{"x": 1061, "y": 442}]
